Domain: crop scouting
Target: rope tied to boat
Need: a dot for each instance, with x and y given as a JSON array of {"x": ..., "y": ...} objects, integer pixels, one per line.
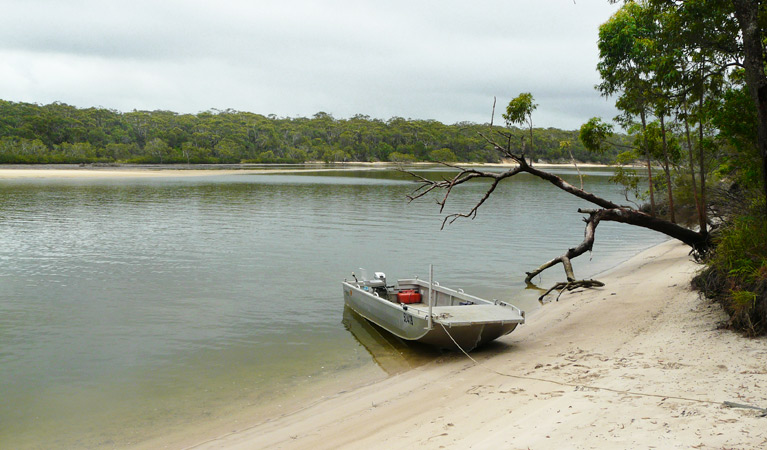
[{"x": 579, "y": 387}]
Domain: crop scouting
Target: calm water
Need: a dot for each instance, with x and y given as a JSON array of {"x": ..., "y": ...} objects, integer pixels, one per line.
[{"x": 136, "y": 306}]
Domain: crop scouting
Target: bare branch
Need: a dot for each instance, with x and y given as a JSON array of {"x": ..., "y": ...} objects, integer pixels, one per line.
[
  {"x": 497, "y": 178},
  {"x": 461, "y": 177},
  {"x": 571, "y": 285},
  {"x": 695, "y": 240},
  {"x": 586, "y": 245},
  {"x": 506, "y": 151},
  {"x": 427, "y": 185}
]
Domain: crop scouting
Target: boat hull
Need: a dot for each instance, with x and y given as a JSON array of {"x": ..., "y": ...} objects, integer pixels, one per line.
[
  {"x": 467, "y": 337},
  {"x": 396, "y": 319}
]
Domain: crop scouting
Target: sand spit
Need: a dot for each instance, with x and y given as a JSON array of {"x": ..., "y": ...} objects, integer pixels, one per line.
[{"x": 154, "y": 171}]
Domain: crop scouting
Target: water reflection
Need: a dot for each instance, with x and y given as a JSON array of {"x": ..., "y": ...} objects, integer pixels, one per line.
[{"x": 391, "y": 353}]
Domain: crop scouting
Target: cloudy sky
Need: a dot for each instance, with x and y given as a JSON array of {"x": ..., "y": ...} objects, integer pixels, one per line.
[{"x": 442, "y": 60}]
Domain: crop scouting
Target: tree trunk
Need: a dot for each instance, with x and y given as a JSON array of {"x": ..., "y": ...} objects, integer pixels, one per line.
[
  {"x": 701, "y": 156},
  {"x": 747, "y": 15},
  {"x": 532, "y": 150},
  {"x": 622, "y": 215},
  {"x": 672, "y": 216},
  {"x": 649, "y": 164},
  {"x": 569, "y": 188},
  {"x": 698, "y": 206}
]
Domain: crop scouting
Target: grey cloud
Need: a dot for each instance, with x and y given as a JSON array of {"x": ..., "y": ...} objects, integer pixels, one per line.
[{"x": 421, "y": 59}]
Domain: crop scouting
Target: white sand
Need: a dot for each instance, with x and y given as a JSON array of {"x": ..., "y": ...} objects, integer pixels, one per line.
[
  {"x": 137, "y": 172},
  {"x": 645, "y": 332}
]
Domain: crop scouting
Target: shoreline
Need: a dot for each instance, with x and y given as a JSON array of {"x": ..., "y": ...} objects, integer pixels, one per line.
[
  {"x": 74, "y": 171},
  {"x": 640, "y": 362}
]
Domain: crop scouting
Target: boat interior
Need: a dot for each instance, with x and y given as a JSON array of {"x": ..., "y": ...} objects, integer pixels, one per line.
[{"x": 416, "y": 292}]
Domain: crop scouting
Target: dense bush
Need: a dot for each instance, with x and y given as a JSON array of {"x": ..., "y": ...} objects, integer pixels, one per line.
[{"x": 736, "y": 273}]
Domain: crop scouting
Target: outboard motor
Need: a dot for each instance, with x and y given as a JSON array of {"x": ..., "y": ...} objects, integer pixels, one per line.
[{"x": 381, "y": 286}]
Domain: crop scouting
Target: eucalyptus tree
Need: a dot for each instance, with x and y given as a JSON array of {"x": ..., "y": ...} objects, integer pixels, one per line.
[
  {"x": 566, "y": 146},
  {"x": 626, "y": 48},
  {"x": 594, "y": 135},
  {"x": 158, "y": 149},
  {"x": 520, "y": 111},
  {"x": 724, "y": 34},
  {"x": 661, "y": 111},
  {"x": 752, "y": 16},
  {"x": 687, "y": 77}
]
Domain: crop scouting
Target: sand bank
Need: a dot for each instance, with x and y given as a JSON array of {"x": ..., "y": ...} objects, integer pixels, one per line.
[
  {"x": 639, "y": 363},
  {"x": 155, "y": 171}
]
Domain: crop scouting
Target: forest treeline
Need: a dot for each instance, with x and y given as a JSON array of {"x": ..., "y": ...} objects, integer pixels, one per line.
[{"x": 61, "y": 133}]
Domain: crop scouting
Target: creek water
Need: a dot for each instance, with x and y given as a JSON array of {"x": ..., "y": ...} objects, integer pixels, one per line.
[{"x": 131, "y": 307}]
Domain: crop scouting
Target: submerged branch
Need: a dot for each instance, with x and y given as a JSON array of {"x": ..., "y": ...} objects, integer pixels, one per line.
[{"x": 570, "y": 286}]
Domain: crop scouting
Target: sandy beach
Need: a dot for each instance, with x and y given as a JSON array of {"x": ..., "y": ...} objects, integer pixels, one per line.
[
  {"x": 640, "y": 363},
  {"x": 111, "y": 172}
]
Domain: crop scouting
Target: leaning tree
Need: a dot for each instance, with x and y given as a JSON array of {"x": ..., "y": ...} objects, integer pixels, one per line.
[
  {"x": 604, "y": 210},
  {"x": 647, "y": 52}
]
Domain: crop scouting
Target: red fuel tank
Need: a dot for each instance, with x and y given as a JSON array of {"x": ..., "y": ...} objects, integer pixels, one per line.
[{"x": 408, "y": 296}]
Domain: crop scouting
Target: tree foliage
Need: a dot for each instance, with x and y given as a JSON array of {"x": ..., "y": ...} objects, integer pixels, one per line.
[
  {"x": 594, "y": 135},
  {"x": 60, "y": 133},
  {"x": 694, "y": 72},
  {"x": 519, "y": 111}
]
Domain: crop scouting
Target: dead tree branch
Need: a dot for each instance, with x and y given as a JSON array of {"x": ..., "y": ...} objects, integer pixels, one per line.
[
  {"x": 570, "y": 286},
  {"x": 463, "y": 176},
  {"x": 585, "y": 246},
  {"x": 607, "y": 211}
]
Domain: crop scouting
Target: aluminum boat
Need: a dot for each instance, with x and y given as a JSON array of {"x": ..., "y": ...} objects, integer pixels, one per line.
[{"x": 423, "y": 311}]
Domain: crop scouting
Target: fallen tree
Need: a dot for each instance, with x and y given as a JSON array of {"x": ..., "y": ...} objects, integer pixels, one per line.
[{"x": 699, "y": 242}]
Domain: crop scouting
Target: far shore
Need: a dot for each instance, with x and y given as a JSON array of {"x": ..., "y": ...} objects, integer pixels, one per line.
[
  {"x": 640, "y": 363},
  {"x": 184, "y": 170}
]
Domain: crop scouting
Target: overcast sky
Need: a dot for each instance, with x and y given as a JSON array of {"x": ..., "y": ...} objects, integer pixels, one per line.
[{"x": 442, "y": 60}]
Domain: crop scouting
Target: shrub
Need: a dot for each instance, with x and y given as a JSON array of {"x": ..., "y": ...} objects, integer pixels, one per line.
[{"x": 736, "y": 273}]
